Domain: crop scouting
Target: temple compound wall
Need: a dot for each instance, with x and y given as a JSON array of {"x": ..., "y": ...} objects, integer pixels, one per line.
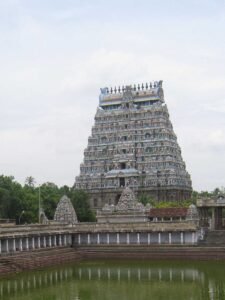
[
  {"x": 21, "y": 238},
  {"x": 126, "y": 224},
  {"x": 133, "y": 143},
  {"x": 181, "y": 233},
  {"x": 156, "y": 238}
]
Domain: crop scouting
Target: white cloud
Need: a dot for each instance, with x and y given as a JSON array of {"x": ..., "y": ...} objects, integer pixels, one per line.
[{"x": 53, "y": 62}]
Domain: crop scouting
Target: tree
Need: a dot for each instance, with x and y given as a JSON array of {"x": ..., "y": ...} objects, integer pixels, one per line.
[
  {"x": 30, "y": 181},
  {"x": 145, "y": 199},
  {"x": 11, "y": 196},
  {"x": 79, "y": 199},
  {"x": 50, "y": 195},
  {"x": 30, "y": 204}
]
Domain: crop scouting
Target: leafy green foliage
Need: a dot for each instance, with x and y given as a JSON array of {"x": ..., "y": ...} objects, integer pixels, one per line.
[
  {"x": 145, "y": 199},
  {"x": 30, "y": 181},
  {"x": 50, "y": 195},
  {"x": 11, "y": 196},
  {"x": 22, "y": 202},
  {"x": 173, "y": 204},
  {"x": 80, "y": 202}
]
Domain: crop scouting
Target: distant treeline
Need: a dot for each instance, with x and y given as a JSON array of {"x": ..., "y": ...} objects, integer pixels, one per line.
[{"x": 21, "y": 202}]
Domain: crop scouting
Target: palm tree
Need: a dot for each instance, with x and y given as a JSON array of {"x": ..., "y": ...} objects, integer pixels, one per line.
[{"x": 30, "y": 181}]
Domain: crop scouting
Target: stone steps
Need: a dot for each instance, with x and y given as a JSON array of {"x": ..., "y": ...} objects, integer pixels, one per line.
[
  {"x": 140, "y": 252},
  {"x": 214, "y": 238},
  {"x": 37, "y": 259}
]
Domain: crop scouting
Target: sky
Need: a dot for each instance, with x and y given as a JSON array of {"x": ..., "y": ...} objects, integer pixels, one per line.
[{"x": 56, "y": 55}]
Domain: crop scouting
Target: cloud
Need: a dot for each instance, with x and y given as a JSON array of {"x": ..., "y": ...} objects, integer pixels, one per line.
[{"x": 54, "y": 60}]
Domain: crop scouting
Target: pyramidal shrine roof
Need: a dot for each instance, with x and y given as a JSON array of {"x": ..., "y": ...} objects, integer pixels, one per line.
[
  {"x": 65, "y": 212},
  {"x": 128, "y": 201}
]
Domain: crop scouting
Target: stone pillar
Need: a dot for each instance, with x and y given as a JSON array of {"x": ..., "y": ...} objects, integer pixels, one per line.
[
  {"x": 117, "y": 238},
  {"x": 60, "y": 240},
  {"x": 98, "y": 239},
  {"x": 21, "y": 244},
  {"x": 54, "y": 241},
  {"x": 138, "y": 238},
  {"x": 14, "y": 245},
  {"x": 39, "y": 242},
  {"x": 65, "y": 240},
  {"x": 69, "y": 239},
  {"x": 193, "y": 237},
  {"x": 128, "y": 238},
  {"x": 7, "y": 245},
  {"x": 88, "y": 239},
  {"x": 181, "y": 237},
  {"x": 0, "y": 246},
  {"x": 27, "y": 243},
  {"x": 50, "y": 241},
  {"x": 33, "y": 242},
  {"x": 149, "y": 239},
  {"x": 213, "y": 218},
  {"x": 44, "y": 241},
  {"x": 108, "y": 238},
  {"x": 159, "y": 238},
  {"x": 170, "y": 238},
  {"x": 78, "y": 239}
]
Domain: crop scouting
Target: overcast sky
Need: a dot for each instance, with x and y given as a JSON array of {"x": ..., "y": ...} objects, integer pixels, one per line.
[{"x": 56, "y": 54}]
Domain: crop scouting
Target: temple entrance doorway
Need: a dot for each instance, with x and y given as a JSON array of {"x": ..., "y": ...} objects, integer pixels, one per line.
[
  {"x": 122, "y": 181},
  {"x": 117, "y": 199},
  {"x": 217, "y": 215}
]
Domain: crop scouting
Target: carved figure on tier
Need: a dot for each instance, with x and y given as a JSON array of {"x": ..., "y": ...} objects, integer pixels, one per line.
[{"x": 133, "y": 143}]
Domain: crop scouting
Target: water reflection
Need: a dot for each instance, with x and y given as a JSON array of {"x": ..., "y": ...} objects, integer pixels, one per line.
[
  {"x": 104, "y": 280},
  {"x": 137, "y": 274}
]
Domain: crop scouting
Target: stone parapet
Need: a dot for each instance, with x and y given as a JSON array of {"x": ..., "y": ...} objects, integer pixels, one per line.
[
  {"x": 97, "y": 227},
  {"x": 136, "y": 227}
]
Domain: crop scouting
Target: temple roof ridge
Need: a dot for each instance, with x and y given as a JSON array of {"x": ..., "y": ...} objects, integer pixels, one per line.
[{"x": 135, "y": 87}]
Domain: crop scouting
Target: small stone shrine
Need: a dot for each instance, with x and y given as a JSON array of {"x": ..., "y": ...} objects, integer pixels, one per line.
[
  {"x": 192, "y": 213},
  {"x": 43, "y": 219},
  {"x": 128, "y": 210},
  {"x": 65, "y": 212}
]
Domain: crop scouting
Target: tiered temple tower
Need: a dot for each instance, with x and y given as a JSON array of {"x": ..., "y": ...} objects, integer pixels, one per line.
[{"x": 133, "y": 144}]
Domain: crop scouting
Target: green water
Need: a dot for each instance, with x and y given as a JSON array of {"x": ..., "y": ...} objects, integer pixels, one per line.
[{"x": 115, "y": 280}]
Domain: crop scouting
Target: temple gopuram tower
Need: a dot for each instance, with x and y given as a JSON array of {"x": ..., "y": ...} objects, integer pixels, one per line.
[{"x": 133, "y": 144}]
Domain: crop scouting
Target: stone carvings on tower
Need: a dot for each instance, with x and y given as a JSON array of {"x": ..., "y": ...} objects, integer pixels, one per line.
[{"x": 133, "y": 144}]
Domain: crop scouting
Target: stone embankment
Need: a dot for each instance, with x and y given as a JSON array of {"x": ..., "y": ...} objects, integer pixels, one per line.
[
  {"x": 11, "y": 264},
  {"x": 37, "y": 259},
  {"x": 153, "y": 252}
]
